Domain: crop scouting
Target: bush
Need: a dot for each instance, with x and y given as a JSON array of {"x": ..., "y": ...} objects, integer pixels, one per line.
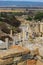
[
  {"x": 39, "y": 16},
  {"x": 29, "y": 18}
]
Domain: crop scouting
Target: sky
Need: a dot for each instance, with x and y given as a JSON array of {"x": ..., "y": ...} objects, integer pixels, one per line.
[{"x": 24, "y": 0}]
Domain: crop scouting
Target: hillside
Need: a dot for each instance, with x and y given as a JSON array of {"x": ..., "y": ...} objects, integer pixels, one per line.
[{"x": 8, "y": 21}]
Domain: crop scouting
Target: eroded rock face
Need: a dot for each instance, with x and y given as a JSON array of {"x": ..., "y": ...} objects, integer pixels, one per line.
[
  {"x": 31, "y": 62},
  {"x": 6, "y": 61},
  {"x": 18, "y": 55},
  {"x": 12, "y": 55}
]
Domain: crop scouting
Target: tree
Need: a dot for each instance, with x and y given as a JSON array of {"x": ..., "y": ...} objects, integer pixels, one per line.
[
  {"x": 7, "y": 20},
  {"x": 10, "y": 19},
  {"x": 39, "y": 16},
  {"x": 29, "y": 18},
  {"x": 3, "y": 14}
]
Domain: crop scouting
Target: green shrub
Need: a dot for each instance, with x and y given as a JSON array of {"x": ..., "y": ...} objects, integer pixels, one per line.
[
  {"x": 29, "y": 18},
  {"x": 39, "y": 16}
]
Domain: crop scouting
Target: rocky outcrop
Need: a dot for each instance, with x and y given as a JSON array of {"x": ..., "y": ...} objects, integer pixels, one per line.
[{"x": 12, "y": 55}]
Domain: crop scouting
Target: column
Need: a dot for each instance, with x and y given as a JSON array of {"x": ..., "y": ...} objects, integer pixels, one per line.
[
  {"x": 7, "y": 43},
  {"x": 14, "y": 40},
  {"x": 23, "y": 36},
  {"x": 11, "y": 33},
  {"x": 19, "y": 36},
  {"x": 27, "y": 30}
]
